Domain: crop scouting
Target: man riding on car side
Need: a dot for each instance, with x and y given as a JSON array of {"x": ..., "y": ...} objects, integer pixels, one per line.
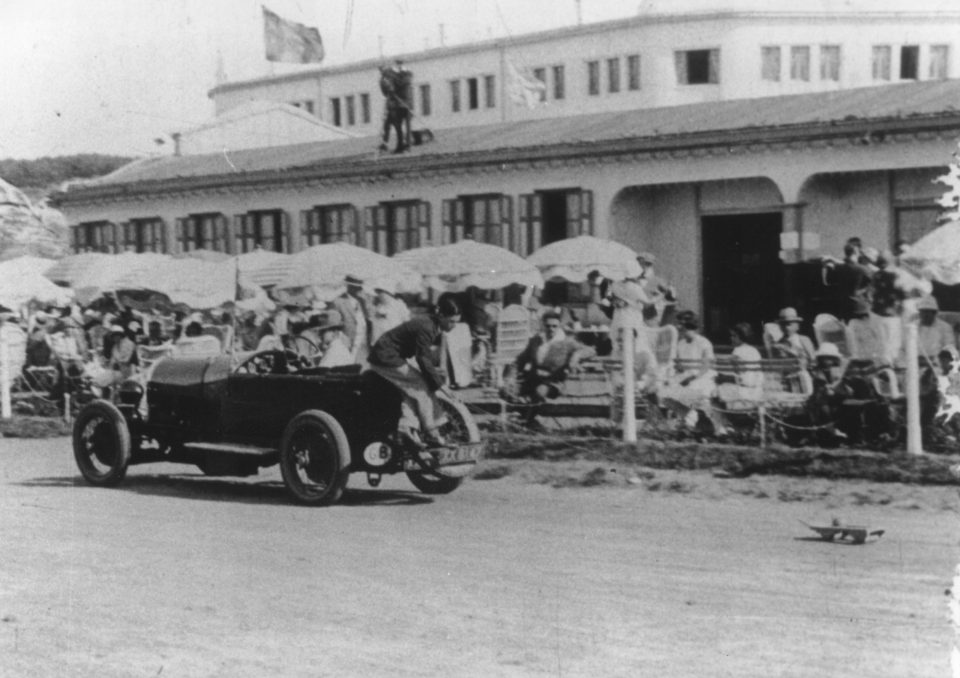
[{"x": 418, "y": 385}]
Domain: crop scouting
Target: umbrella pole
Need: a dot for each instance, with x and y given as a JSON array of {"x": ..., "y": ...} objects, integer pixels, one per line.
[
  {"x": 629, "y": 387},
  {"x": 911, "y": 355},
  {"x": 5, "y": 409}
]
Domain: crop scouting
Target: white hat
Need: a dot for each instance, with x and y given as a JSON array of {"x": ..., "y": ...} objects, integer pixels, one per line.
[
  {"x": 829, "y": 350},
  {"x": 928, "y": 303}
]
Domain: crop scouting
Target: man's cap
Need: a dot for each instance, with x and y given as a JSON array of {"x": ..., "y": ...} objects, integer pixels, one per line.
[
  {"x": 928, "y": 303},
  {"x": 828, "y": 350},
  {"x": 353, "y": 280},
  {"x": 789, "y": 315}
]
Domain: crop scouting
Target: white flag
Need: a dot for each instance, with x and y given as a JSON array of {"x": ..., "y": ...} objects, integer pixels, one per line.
[{"x": 525, "y": 90}]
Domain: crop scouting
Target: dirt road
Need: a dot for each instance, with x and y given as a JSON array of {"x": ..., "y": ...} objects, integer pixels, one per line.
[{"x": 176, "y": 574}]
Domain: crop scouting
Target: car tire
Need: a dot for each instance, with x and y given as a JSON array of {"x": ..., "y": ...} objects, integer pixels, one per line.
[
  {"x": 101, "y": 443},
  {"x": 460, "y": 428},
  {"x": 314, "y": 458}
]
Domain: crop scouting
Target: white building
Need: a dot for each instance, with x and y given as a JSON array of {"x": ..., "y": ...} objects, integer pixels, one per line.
[{"x": 647, "y": 61}]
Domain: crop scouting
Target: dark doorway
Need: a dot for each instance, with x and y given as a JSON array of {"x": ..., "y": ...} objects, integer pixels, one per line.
[
  {"x": 743, "y": 278},
  {"x": 554, "y": 216}
]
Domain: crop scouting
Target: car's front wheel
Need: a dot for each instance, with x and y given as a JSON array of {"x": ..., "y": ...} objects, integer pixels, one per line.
[
  {"x": 101, "y": 443},
  {"x": 459, "y": 428},
  {"x": 314, "y": 458}
]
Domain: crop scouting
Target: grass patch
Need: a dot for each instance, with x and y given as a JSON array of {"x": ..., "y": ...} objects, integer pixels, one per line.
[{"x": 33, "y": 427}]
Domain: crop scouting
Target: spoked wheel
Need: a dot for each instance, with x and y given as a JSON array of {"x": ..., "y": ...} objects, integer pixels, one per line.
[
  {"x": 314, "y": 458},
  {"x": 101, "y": 443},
  {"x": 459, "y": 428}
]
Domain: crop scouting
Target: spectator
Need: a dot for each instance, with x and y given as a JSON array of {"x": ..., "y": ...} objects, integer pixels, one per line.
[
  {"x": 694, "y": 385},
  {"x": 662, "y": 295},
  {"x": 792, "y": 343},
  {"x": 548, "y": 358},
  {"x": 155, "y": 336},
  {"x": 933, "y": 334},
  {"x": 354, "y": 307},
  {"x": 746, "y": 384},
  {"x": 387, "y": 313},
  {"x": 851, "y": 280},
  {"x": 866, "y": 334},
  {"x": 332, "y": 342}
]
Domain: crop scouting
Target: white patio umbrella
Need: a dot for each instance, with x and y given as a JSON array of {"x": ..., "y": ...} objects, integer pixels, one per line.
[
  {"x": 574, "y": 258},
  {"x": 324, "y": 267},
  {"x": 200, "y": 284},
  {"x": 454, "y": 268},
  {"x": 936, "y": 256},
  {"x": 95, "y": 274},
  {"x": 72, "y": 266},
  {"x": 15, "y": 291},
  {"x": 25, "y": 265},
  {"x": 264, "y": 267}
]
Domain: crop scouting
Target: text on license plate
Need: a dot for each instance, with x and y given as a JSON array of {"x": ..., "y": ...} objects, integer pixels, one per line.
[{"x": 460, "y": 454}]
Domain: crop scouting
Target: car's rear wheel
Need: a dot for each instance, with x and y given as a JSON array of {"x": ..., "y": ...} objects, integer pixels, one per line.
[
  {"x": 312, "y": 455},
  {"x": 460, "y": 428},
  {"x": 101, "y": 443}
]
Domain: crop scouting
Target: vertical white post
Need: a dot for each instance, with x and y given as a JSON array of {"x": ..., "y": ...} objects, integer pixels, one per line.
[
  {"x": 629, "y": 387},
  {"x": 911, "y": 355},
  {"x": 5, "y": 410}
]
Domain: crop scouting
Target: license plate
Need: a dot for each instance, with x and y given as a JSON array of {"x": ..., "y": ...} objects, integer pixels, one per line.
[{"x": 463, "y": 453}]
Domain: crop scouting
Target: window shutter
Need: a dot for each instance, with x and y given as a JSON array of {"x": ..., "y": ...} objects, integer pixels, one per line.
[
  {"x": 305, "y": 236},
  {"x": 586, "y": 213},
  {"x": 680, "y": 62},
  {"x": 506, "y": 221},
  {"x": 446, "y": 226},
  {"x": 110, "y": 237},
  {"x": 240, "y": 232},
  {"x": 207, "y": 234},
  {"x": 75, "y": 239},
  {"x": 286, "y": 235},
  {"x": 714, "y": 74},
  {"x": 222, "y": 230},
  {"x": 423, "y": 225},
  {"x": 350, "y": 225},
  {"x": 491, "y": 220},
  {"x": 369, "y": 228},
  {"x": 530, "y": 232},
  {"x": 126, "y": 240},
  {"x": 179, "y": 233}
]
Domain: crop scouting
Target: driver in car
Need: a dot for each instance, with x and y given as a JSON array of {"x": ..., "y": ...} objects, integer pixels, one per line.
[{"x": 418, "y": 385}]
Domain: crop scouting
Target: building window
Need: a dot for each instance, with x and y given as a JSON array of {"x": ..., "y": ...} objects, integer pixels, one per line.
[
  {"x": 94, "y": 236},
  {"x": 830, "y": 62},
  {"x": 335, "y": 111},
  {"x": 490, "y": 91},
  {"x": 397, "y": 226},
  {"x": 593, "y": 78},
  {"x": 265, "y": 229},
  {"x": 455, "y": 96},
  {"x": 206, "y": 231},
  {"x": 424, "y": 99},
  {"x": 881, "y": 62},
  {"x": 483, "y": 218},
  {"x": 698, "y": 67},
  {"x": 909, "y": 62},
  {"x": 559, "y": 87},
  {"x": 144, "y": 235},
  {"x": 473, "y": 93},
  {"x": 351, "y": 110},
  {"x": 365, "y": 108},
  {"x": 540, "y": 75},
  {"x": 613, "y": 75},
  {"x": 800, "y": 63},
  {"x": 330, "y": 223},
  {"x": 939, "y": 58},
  {"x": 633, "y": 72},
  {"x": 770, "y": 64}
]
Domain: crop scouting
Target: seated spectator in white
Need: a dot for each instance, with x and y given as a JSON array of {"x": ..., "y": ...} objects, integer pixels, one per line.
[
  {"x": 386, "y": 313},
  {"x": 548, "y": 358},
  {"x": 194, "y": 342},
  {"x": 866, "y": 334},
  {"x": 694, "y": 385},
  {"x": 792, "y": 343},
  {"x": 663, "y": 296},
  {"x": 746, "y": 382},
  {"x": 122, "y": 360},
  {"x": 933, "y": 334},
  {"x": 629, "y": 301},
  {"x": 333, "y": 342}
]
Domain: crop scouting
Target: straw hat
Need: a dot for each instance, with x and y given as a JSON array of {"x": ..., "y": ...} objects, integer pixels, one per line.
[{"x": 789, "y": 315}]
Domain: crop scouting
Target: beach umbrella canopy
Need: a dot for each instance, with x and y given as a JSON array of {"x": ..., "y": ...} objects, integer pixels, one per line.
[
  {"x": 203, "y": 255},
  {"x": 454, "y": 268},
  {"x": 574, "y": 258},
  {"x": 25, "y": 265},
  {"x": 15, "y": 291},
  {"x": 72, "y": 266},
  {"x": 936, "y": 256},
  {"x": 199, "y": 284},
  {"x": 264, "y": 267},
  {"x": 324, "y": 267}
]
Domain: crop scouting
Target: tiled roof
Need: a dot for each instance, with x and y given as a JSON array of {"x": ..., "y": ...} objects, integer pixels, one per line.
[{"x": 896, "y": 107}]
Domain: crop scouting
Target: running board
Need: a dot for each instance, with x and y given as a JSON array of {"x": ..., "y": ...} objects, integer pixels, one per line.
[{"x": 231, "y": 448}]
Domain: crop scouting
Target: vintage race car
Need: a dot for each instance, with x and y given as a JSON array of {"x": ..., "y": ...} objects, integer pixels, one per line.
[{"x": 233, "y": 415}]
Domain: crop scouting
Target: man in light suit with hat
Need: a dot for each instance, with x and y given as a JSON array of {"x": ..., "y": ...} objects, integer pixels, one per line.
[{"x": 354, "y": 308}]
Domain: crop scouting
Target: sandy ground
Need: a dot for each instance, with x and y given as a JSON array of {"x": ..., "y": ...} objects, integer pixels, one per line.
[{"x": 527, "y": 573}]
